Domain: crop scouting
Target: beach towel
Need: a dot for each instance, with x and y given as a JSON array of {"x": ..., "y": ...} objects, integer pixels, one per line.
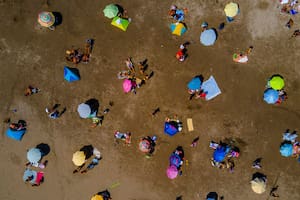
[{"x": 211, "y": 88}]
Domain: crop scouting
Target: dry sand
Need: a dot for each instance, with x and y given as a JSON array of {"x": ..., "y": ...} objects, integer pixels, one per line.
[{"x": 31, "y": 55}]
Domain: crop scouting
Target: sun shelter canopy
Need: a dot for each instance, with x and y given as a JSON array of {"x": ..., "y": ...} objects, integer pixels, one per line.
[
  {"x": 208, "y": 37},
  {"x": 30, "y": 173},
  {"x": 258, "y": 185},
  {"x": 78, "y": 158},
  {"x": 71, "y": 74},
  {"x": 219, "y": 154},
  {"x": 195, "y": 84},
  {"x": 271, "y": 96},
  {"x": 110, "y": 11},
  {"x": 84, "y": 110},
  {"x": 211, "y": 88},
  {"x": 231, "y": 9},
  {"x": 178, "y": 28},
  {"x": 34, "y": 155},
  {"x": 286, "y": 149},
  {"x": 276, "y": 82},
  {"x": 15, "y": 134},
  {"x": 46, "y": 19},
  {"x": 171, "y": 128},
  {"x": 120, "y": 23},
  {"x": 172, "y": 172},
  {"x": 144, "y": 145}
]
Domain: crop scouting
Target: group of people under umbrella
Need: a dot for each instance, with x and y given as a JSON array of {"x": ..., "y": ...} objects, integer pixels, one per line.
[
  {"x": 290, "y": 147},
  {"x": 275, "y": 94}
]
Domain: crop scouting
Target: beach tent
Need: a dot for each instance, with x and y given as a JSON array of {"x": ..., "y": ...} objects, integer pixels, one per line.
[
  {"x": 15, "y": 134},
  {"x": 178, "y": 28},
  {"x": 258, "y": 185},
  {"x": 71, "y": 74},
  {"x": 276, "y": 82},
  {"x": 175, "y": 160},
  {"x": 171, "y": 128},
  {"x": 46, "y": 19},
  {"x": 211, "y": 88},
  {"x": 120, "y": 23},
  {"x": 78, "y": 158},
  {"x": 231, "y": 9},
  {"x": 172, "y": 172},
  {"x": 208, "y": 37},
  {"x": 34, "y": 155},
  {"x": 195, "y": 83},
  {"x": 212, "y": 196},
  {"x": 110, "y": 11},
  {"x": 271, "y": 96},
  {"x": 219, "y": 154},
  {"x": 286, "y": 149}
]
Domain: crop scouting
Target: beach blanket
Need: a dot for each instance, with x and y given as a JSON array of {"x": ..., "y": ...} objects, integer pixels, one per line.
[{"x": 211, "y": 88}]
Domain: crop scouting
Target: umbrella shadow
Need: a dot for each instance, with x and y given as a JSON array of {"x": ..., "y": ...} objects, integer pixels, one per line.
[
  {"x": 88, "y": 151},
  {"x": 45, "y": 148},
  {"x": 212, "y": 195},
  {"x": 258, "y": 175},
  {"x": 276, "y": 75},
  {"x": 94, "y": 104},
  {"x": 200, "y": 76},
  {"x": 216, "y": 32},
  {"x": 58, "y": 18},
  {"x": 121, "y": 9}
]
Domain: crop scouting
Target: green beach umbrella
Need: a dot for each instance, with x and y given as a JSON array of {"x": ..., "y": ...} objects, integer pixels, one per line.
[
  {"x": 276, "y": 82},
  {"x": 111, "y": 11}
]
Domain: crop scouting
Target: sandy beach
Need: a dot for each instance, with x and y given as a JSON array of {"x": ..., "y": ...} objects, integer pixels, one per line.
[{"x": 33, "y": 55}]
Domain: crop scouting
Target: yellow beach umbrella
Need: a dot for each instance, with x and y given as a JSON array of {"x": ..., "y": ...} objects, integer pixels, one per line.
[
  {"x": 46, "y": 19},
  {"x": 78, "y": 158},
  {"x": 258, "y": 185},
  {"x": 231, "y": 9},
  {"x": 97, "y": 197}
]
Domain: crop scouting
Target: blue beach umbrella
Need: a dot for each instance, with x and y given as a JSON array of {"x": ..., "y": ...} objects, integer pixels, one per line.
[
  {"x": 208, "y": 37},
  {"x": 175, "y": 160},
  {"x": 34, "y": 155},
  {"x": 219, "y": 154},
  {"x": 271, "y": 96},
  {"x": 286, "y": 149},
  {"x": 30, "y": 173},
  {"x": 194, "y": 84}
]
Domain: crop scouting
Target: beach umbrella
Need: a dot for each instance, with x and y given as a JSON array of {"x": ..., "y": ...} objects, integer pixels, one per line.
[
  {"x": 271, "y": 96},
  {"x": 34, "y": 155},
  {"x": 219, "y": 154},
  {"x": 127, "y": 85},
  {"x": 46, "y": 19},
  {"x": 175, "y": 160},
  {"x": 78, "y": 158},
  {"x": 178, "y": 28},
  {"x": 258, "y": 185},
  {"x": 120, "y": 23},
  {"x": 194, "y": 84},
  {"x": 286, "y": 149},
  {"x": 231, "y": 9},
  {"x": 110, "y": 11},
  {"x": 144, "y": 145},
  {"x": 84, "y": 110},
  {"x": 208, "y": 37},
  {"x": 172, "y": 172},
  {"x": 30, "y": 173},
  {"x": 276, "y": 82},
  {"x": 97, "y": 197}
]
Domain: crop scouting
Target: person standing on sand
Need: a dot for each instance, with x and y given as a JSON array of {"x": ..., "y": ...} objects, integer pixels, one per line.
[{"x": 53, "y": 113}]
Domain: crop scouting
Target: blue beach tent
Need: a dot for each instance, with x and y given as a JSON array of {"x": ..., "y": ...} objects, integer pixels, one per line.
[
  {"x": 15, "y": 134},
  {"x": 71, "y": 74},
  {"x": 171, "y": 128}
]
